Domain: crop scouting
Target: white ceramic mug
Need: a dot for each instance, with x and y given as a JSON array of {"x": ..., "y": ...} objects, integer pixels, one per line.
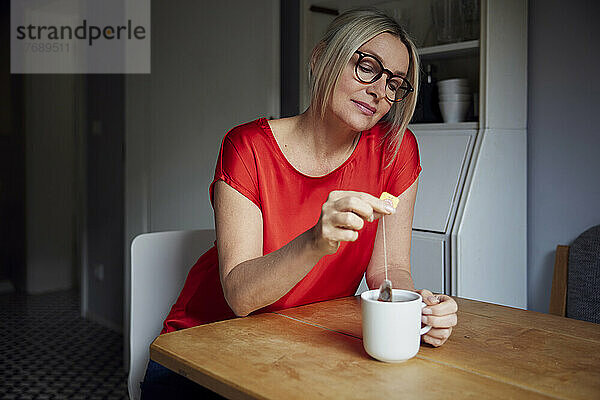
[{"x": 392, "y": 330}]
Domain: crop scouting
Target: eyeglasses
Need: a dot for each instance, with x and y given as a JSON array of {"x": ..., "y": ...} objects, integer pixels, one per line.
[{"x": 369, "y": 69}]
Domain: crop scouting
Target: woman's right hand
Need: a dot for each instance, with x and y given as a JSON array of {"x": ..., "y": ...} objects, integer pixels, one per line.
[{"x": 343, "y": 215}]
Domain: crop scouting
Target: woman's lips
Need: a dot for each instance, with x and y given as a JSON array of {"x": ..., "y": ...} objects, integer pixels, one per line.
[{"x": 364, "y": 108}]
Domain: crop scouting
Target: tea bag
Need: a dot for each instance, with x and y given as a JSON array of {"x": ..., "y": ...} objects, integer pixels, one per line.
[{"x": 385, "y": 290}]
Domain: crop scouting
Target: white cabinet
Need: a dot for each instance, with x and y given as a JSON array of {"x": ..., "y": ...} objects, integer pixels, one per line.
[
  {"x": 443, "y": 158},
  {"x": 469, "y": 229},
  {"x": 428, "y": 254}
]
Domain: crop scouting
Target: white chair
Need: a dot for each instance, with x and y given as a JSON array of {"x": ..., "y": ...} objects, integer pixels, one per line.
[{"x": 160, "y": 263}]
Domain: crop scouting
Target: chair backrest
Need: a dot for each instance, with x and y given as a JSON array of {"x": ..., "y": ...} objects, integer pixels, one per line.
[
  {"x": 160, "y": 263},
  {"x": 583, "y": 286},
  {"x": 558, "y": 296}
]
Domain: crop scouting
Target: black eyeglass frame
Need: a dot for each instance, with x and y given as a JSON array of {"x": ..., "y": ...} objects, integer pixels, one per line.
[{"x": 408, "y": 89}]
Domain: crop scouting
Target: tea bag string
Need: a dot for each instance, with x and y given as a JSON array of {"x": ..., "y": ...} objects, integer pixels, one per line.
[{"x": 384, "y": 247}]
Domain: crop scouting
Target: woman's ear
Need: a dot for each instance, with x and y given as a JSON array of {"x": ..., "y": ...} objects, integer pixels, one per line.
[{"x": 317, "y": 52}]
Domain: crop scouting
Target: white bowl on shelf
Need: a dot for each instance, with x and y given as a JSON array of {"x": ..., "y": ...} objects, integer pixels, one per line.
[
  {"x": 454, "y": 111},
  {"x": 452, "y": 83},
  {"x": 453, "y": 87},
  {"x": 455, "y": 97},
  {"x": 454, "y": 90}
]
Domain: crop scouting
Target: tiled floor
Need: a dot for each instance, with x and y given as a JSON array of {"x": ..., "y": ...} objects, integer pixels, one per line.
[{"x": 47, "y": 351}]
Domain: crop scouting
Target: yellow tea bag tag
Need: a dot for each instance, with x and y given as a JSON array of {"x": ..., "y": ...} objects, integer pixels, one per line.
[{"x": 390, "y": 198}]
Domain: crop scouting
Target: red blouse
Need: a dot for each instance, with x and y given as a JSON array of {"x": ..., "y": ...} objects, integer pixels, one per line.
[{"x": 251, "y": 162}]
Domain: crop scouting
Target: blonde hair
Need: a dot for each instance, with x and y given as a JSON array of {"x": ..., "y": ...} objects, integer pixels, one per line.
[{"x": 343, "y": 37}]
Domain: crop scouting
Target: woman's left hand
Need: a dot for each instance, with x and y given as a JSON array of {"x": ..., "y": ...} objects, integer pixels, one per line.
[{"x": 440, "y": 314}]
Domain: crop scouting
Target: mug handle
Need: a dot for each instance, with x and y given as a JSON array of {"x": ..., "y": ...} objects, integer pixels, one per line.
[{"x": 426, "y": 328}]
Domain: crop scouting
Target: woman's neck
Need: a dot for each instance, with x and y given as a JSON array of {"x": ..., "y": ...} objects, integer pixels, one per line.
[{"x": 327, "y": 137}]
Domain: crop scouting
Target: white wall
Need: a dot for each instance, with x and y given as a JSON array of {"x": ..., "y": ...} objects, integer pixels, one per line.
[
  {"x": 563, "y": 135},
  {"x": 214, "y": 65}
]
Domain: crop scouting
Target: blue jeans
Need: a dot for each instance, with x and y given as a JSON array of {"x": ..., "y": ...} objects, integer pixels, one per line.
[{"x": 162, "y": 383}]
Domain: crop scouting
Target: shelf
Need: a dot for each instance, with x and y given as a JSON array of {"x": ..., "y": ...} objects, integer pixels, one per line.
[
  {"x": 462, "y": 126},
  {"x": 451, "y": 49}
]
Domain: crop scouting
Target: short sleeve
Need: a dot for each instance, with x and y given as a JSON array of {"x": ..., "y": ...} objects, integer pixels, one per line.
[
  {"x": 236, "y": 166},
  {"x": 406, "y": 166}
]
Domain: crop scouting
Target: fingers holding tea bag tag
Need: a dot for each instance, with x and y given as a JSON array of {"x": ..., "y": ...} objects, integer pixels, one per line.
[
  {"x": 390, "y": 199},
  {"x": 385, "y": 290}
]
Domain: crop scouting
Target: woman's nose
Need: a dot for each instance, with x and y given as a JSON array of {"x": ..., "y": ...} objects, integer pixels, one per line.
[{"x": 378, "y": 87}]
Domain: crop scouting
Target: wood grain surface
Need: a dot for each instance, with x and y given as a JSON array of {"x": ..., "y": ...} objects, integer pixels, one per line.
[
  {"x": 315, "y": 351},
  {"x": 533, "y": 319},
  {"x": 340, "y": 315},
  {"x": 271, "y": 357},
  {"x": 541, "y": 352}
]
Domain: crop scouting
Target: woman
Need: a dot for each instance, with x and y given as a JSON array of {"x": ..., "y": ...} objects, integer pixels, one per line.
[{"x": 296, "y": 200}]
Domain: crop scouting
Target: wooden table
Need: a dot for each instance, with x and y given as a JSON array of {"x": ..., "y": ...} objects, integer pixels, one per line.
[{"x": 316, "y": 351}]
